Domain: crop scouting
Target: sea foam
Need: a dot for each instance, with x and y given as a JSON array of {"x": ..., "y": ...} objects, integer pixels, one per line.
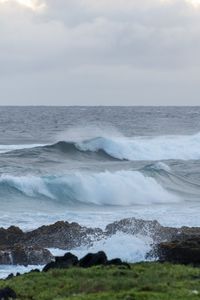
[{"x": 121, "y": 188}]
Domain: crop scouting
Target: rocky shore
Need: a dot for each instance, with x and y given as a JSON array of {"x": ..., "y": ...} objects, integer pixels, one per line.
[{"x": 179, "y": 245}]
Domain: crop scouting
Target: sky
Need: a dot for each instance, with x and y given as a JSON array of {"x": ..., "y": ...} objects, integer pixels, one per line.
[{"x": 99, "y": 52}]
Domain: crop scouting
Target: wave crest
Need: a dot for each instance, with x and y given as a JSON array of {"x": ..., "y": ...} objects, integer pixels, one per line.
[
  {"x": 122, "y": 188},
  {"x": 122, "y": 148}
]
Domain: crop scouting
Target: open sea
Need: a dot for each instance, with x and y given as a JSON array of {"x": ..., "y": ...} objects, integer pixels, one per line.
[{"x": 95, "y": 165}]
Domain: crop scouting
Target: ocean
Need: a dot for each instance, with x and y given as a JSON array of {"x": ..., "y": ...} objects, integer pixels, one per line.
[{"x": 95, "y": 165}]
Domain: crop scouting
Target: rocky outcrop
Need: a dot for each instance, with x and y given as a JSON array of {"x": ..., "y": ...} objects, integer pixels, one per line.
[
  {"x": 10, "y": 236},
  {"x": 62, "y": 235},
  {"x": 182, "y": 251},
  {"x": 153, "y": 229},
  {"x": 21, "y": 247},
  {"x": 25, "y": 256}
]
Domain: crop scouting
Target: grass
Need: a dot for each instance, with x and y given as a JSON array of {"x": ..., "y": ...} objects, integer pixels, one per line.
[{"x": 145, "y": 281}]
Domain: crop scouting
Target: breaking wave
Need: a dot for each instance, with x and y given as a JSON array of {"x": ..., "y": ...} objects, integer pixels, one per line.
[
  {"x": 122, "y": 148},
  {"x": 146, "y": 148},
  {"x": 121, "y": 188}
]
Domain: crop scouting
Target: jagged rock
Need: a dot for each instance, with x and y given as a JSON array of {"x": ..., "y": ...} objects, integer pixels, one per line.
[
  {"x": 10, "y": 236},
  {"x": 62, "y": 235},
  {"x": 21, "y": 247},
  {"x": 7, "y": 293},
  {"x": 134, "y": 226},
  {"x": 183, "y": 251},
  {"x": 20, "y": 255},
  {"x": 62, "y": 262}
]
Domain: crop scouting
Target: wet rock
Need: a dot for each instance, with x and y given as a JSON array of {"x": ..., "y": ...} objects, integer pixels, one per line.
[
  {"x": 62, "y": 235},
  {"x": 20, "y": 255},
  {"x": 10, "y": 236},
  {"x": 151, "y": 229},
  {"x": 7, "y": 293},
  {"x": 89, "y": 260},
  {"x": 95, "y": 259},
  {"x": 183, "y": 251},
  {"x": 63, "y": 262}
]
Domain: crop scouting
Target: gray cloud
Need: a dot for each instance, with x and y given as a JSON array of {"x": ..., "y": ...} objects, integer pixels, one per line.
[{"x": 90, "y": 52}]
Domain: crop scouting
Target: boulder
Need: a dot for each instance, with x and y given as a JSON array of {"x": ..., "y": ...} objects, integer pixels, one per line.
[
  {"x": 7, "y": 293},
  {"x": 63, "y": 262},
  {"x": 95, "y": 259},
  {"x": 89, "y": 260}
]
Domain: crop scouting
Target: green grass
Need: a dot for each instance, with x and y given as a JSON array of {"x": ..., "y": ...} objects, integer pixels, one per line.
[{"x": 146, "y": 281}]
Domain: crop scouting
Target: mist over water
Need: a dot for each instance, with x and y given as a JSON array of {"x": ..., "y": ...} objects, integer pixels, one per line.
[{"x": 97, "y": 165}]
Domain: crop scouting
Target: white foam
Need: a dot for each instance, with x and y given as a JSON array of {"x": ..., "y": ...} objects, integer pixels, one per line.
[
  {"x": 122, "y": 188},
  {"x": 146, "y": 148},
  {"x": 5, "y": 270},
  {"x": 127, "y": 247}
]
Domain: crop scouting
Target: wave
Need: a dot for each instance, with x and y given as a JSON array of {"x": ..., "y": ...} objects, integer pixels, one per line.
[
  {"x": 122, "y": 188},
  {"x": 11, "y": 148},
  {"x": 146, "y": 148},
  {"x": 116, "y": 246},
  {"x": 120, "y": 148}
]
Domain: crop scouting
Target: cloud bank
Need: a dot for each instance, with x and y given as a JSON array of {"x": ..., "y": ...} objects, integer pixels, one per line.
[{"x": 108, "y": 52}]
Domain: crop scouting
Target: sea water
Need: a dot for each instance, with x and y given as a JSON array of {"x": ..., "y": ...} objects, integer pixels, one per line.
[{"x": 96, "y": 165}]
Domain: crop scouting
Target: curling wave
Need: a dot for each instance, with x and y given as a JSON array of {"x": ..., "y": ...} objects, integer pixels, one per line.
[
  {"x": 122, "y": 188},
  {"x": 120, "y": 148},
  {"x": 146, "y": 148}
]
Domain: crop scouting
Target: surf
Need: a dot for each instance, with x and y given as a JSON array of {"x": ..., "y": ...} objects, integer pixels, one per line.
[{"x": 138, "y": 148}]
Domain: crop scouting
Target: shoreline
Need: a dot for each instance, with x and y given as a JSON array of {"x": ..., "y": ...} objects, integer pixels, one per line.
[{"x": 35, "y": 247}]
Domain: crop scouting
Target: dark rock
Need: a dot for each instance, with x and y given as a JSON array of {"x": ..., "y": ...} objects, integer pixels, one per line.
[
  {"x": 95, "y": 259},
  {"x": 183, "y": 251},
  {"x": 63, "y": 262},
  {"x": 19, "y": 255},
  {"x": 134, "y": 226},
  {"x": 115, "y": 261},
  {"x": 7, "y": 293},
  {"x": 62, "y": 235},
  {"x": 10, "y": 236}
]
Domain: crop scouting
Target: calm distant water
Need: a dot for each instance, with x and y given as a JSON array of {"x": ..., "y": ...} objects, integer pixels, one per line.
[{"x": 100, "y": 164}]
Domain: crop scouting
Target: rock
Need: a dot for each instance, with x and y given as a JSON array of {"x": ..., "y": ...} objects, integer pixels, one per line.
[
  {"x": 183, "y": 251},
  {"x": 10, "y": 236},
  {"x": 7, "y": 293},
  {"x": 62, "y": 235},
  {"x": 25, "y": 248},
  {"x": 89, "y": 260},
  {"x": 115, "y": 262},
  {"x": 63, "y": 262},
  {"x": 134, "y": 226},
  {"x": 95, "y": 259},
  {"x": 19, "y": 255}
]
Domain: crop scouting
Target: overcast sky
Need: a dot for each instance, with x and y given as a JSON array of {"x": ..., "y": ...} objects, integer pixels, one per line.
[{"x": 100, "y": 52}]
